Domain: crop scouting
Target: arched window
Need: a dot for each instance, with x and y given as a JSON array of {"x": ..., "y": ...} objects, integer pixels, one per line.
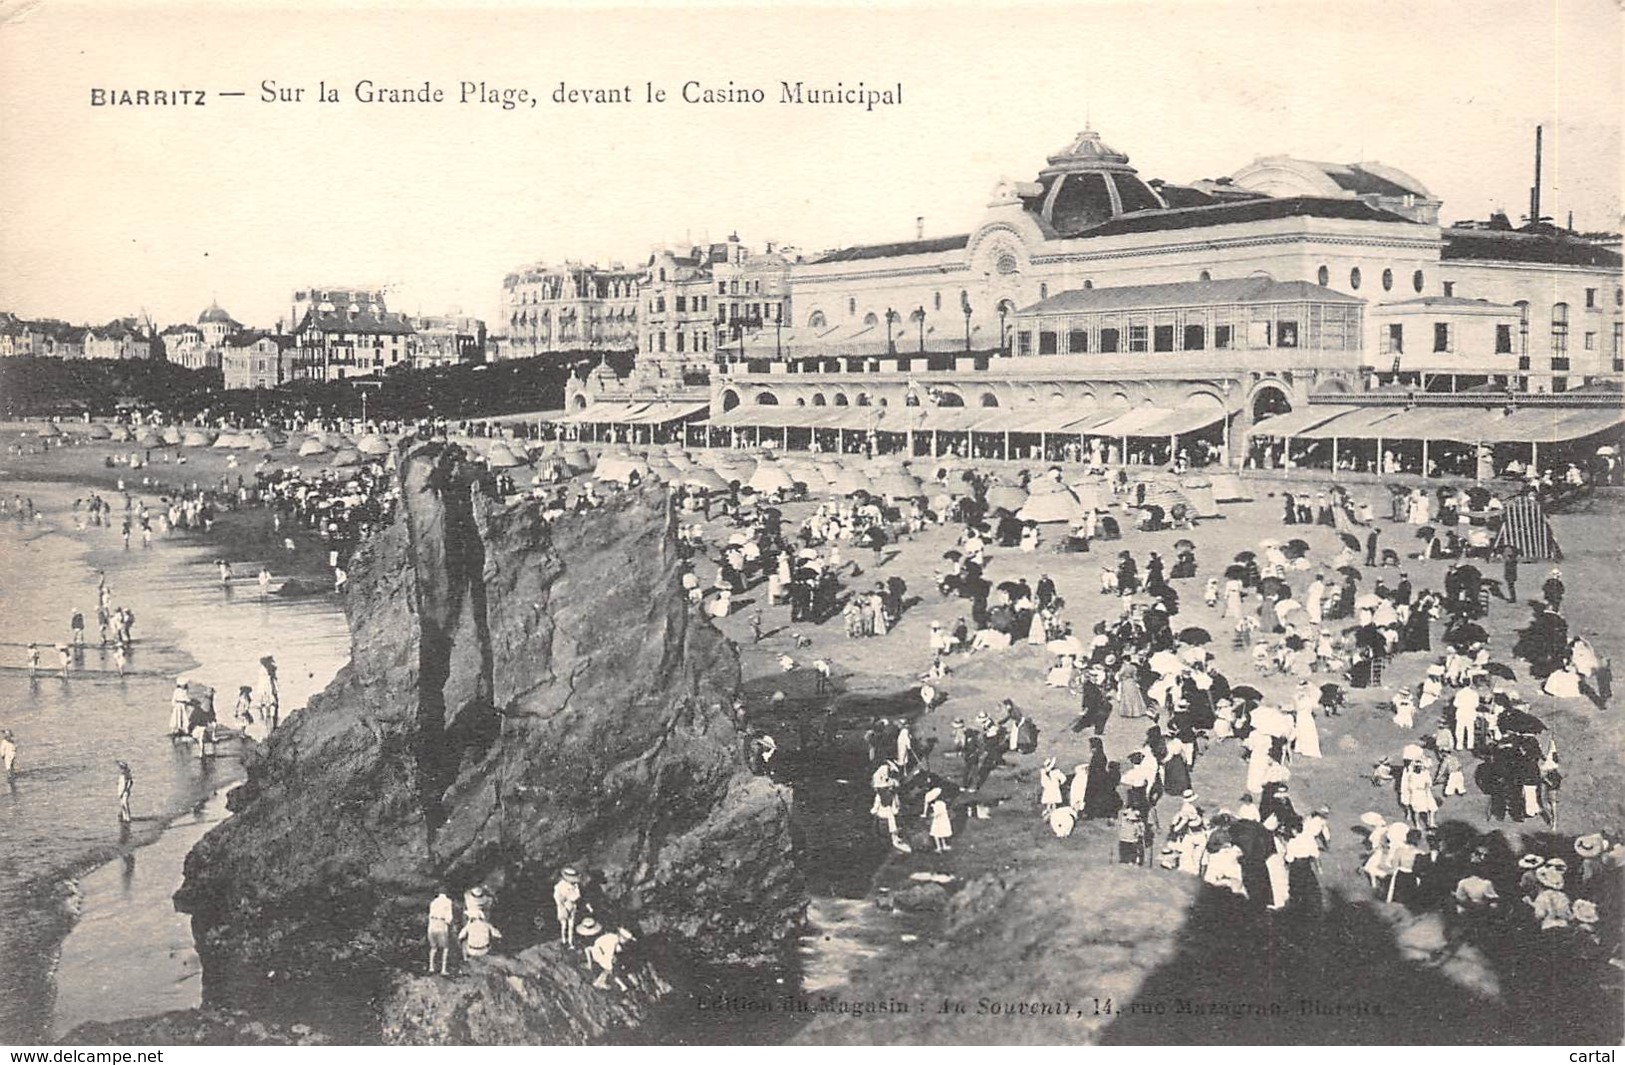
[
  {"x": 871, "y": 319},
  {"x": 1560, "y": 330},
  {"x": 1387, "y": 280},
  {"x": 1418, "y": 280},
  {"x": 1043, "y": 291},
  {"x": 1088, "y": 283},
  {"x": 1324, "y": 276},
  {"x": 989, "y": 400},
  {"x": 1354, "y": 278},
  {"x": 800, "y": 401},
  {"x": 816, "y": 320},
  {"x": 818, "y": 399},
  {"x": 936, "y": 301},
  {"x": 950, "y": 399},
  {"x": 662, "y": 273},
  {"x": 730, "y": 399},
  {"x": 840, "y": 399},
  {"x": 1204, "y": 276},
  {"x": 863, "y": 399},
  {"x": 766, "y": 399},
  {"x": 883, "y": 402}
]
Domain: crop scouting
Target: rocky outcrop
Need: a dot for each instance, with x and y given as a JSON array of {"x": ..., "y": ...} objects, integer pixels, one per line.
[{"x": 521, "y": 696}]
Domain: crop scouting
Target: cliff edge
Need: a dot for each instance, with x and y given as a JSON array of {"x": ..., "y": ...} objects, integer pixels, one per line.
[{"x": 522, "y": 695}]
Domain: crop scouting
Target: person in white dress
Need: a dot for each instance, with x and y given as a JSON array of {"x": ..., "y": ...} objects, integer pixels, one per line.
[
  {"x": 942, "y": 825},
  {"x": 1050, "y": 782}
]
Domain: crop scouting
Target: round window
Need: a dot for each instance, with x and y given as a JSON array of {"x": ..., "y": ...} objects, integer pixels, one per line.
[
  {"x": 1325, "y": 277},
  {"x": 1354, "y": 278},
  {"x": 1007, "y": 264},
  {"x": 1387, "y": 280}
]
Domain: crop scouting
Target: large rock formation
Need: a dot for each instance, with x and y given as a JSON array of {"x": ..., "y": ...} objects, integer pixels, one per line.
[{"x": 521, "y": 696}]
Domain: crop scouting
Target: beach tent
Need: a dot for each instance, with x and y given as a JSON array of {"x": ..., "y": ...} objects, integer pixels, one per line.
[
  {"x": 171, "y": 434},
  {"x": 1524, "y": 525},
  {"x": 1227, "y": 488},
  {"x": 347, "y": 457},
  {"x": 1052, "y": 506},
  {"x": 373, "y": 444},
  {"x": 258, "y": 442},
  {"x": 121, "y": 434},
  {"x": 197, "y": 438},
  {"x": 100, "y": 432},
  {"x": 312, "y": 446},
  {"x": 771, "y": 477},
  {"x": 500, "y": 457},
  {"x": 1199, "y": 490},
  {"x": 48, "y": 429},
  {"x": 1007, "y": 496}
]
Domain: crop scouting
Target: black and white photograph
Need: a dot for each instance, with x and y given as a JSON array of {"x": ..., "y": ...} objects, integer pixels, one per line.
[{"x": 672, "y": 523}]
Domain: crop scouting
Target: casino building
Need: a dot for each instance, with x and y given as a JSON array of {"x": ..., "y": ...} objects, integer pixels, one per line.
[{"x": 1090, "y": 304}]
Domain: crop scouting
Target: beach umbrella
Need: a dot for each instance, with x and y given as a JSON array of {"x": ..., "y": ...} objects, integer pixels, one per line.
[
  {"x": 1166, "y": 662},
  {"x": 1298, "y": 544},
  {"x": 1274, "y": 586},
  {"x": 1246, "y": 556},
  {"x": 1425, "y": 533},
  {"x": 347, "y": 457},
  {"x": 1067, "y": 645},
  {"x": 1184, "y": 544},
  {"x": 1466, "y": 635},
  {"x": 1272, "y": 721},
  {"x": 1235, "y": 572},
  {"x": 312, "y": 446},
  {"x": 1515, "y": 720},
  {"x": 1246, "y": 692},
  {"x": 373, "y": 444},
  {"x": 1007, "y": 497},
  {"x": 1350, "y": 541},
  {"x": 99, "y": 432},
  {"x": 1194, "y": 636},
  {"x": 1351, "y": 571}
]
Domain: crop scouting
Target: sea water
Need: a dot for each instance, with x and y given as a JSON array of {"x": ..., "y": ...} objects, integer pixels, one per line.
[{"x": 64, "y": 856}]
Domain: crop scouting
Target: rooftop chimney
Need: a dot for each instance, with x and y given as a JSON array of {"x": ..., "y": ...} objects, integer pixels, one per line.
[{"x": 919, "y": 227}]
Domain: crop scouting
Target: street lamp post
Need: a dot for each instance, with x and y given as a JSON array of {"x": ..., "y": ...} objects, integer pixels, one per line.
[
  {"x": 919, "y": 317},
  {"x": 891, "y": 346},
  {"x": 964, "y": 305},
  {"x": 1003, "y": 347}
]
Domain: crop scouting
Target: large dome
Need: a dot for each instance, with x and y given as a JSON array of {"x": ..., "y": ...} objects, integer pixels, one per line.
[
  {"x": 1087, "y": 183},
  {"x": 214, "y": 313}
]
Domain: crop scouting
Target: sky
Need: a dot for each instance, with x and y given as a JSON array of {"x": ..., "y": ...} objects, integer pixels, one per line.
[{"x": 109, "y": 211}]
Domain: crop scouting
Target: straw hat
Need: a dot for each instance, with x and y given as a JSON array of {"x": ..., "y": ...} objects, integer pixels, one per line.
[
  {"x": 570, "y": 875},
  {"x": 1530, "y": 861},
  {"x": 1590, "y": 846},
  {"x": 590, "y": 927},
  {"x": 1549, "y": 876}
]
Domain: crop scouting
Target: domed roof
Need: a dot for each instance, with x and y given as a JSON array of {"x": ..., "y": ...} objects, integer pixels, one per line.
[
  {"x": 214, "y": 313},
  {"x": 1089, "y": 182}
]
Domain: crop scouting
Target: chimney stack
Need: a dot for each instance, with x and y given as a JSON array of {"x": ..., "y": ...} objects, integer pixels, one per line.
[
  {"x": 919, "y": 227},
  {"x": 1534, "y": 193}
]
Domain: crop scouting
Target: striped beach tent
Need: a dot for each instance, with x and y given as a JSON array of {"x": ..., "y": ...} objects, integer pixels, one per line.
[{"x": 1524, "y": 526}]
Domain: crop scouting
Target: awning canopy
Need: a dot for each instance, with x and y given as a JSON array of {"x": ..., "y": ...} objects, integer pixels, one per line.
[
  {"x": 1185, "y": 418},
  {"x": 1131, "y": 422},
  {"x": 646, "y": 413},
  {"x": 1545, "y": 425},
  {"x": 1294, "y": 422},
  {"x": 1361, "y": 423}
]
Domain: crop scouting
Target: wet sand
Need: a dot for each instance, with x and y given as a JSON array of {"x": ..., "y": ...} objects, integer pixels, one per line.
[{"x": 57, "y": 819}]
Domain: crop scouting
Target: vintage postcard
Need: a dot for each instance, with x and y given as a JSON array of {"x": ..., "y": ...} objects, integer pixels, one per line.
[{"x": 1085, "y": 523}]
